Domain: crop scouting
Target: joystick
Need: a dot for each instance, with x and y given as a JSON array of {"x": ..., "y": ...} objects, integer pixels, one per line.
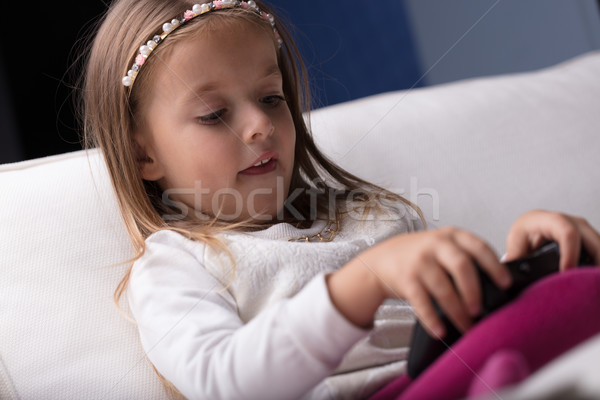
[{"x": 542, "y": 262}]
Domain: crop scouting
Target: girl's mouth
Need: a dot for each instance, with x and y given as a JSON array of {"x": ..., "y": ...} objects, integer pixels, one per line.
[{"x": 261, "y": 167}]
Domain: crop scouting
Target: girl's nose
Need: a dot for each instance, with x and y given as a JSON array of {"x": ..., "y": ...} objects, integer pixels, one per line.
[{"x": 257, "y": 125}]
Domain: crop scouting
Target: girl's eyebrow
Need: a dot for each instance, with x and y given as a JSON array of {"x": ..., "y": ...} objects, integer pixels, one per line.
[
  {"x": 272, "y": 70},
  {"x": 195, "y": 94}
]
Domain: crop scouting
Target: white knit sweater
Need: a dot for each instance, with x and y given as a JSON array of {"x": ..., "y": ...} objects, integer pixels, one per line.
[{"x": 269, "y": 331}]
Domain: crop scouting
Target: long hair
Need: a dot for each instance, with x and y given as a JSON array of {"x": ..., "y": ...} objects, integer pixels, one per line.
[{"x": 110, "y": 111}]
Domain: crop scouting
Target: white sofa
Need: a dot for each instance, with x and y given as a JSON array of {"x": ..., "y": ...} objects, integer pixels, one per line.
[{"x": 474, "y": 153}]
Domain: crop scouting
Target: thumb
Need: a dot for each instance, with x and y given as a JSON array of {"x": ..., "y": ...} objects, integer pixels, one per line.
[{"x": 518, "y": 245}]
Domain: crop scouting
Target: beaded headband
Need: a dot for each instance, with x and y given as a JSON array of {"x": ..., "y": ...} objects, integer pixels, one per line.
[{"x": 198, "y": 9}]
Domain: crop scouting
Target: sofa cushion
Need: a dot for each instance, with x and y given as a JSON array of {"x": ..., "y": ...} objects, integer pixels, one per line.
[{"x": 61, "y": 241}]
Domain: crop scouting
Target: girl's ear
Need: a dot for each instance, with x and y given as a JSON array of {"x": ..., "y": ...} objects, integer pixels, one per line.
[{"x": 149, "y": 167}]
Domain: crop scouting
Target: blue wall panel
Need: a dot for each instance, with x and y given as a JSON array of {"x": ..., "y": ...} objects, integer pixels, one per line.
[{"x": 353, "y": 48}]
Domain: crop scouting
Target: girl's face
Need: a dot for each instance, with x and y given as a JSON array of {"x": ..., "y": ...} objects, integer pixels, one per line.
[{"x": 217, "y": 132}]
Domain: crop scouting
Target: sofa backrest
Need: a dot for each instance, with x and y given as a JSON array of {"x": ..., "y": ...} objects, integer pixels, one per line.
[{"x": 480, "y": 152}]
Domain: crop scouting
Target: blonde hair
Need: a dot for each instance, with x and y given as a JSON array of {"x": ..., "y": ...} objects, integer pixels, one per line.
[{"x": 109, "y": 116}]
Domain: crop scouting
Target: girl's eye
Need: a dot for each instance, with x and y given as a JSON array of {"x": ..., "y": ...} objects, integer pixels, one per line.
[
  {"x": 273, "y": 100},
  {"x": 212, "y": 118}
]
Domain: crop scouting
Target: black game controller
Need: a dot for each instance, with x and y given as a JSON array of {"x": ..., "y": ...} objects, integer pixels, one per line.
[{"x": 544, "y": 261}]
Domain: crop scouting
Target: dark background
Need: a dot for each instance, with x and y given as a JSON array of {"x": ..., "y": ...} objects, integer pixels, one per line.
[
  {"x": 353, "y": 50},
  {"x": 38, "y": 78},
  {"x": 35, "y": 79}
]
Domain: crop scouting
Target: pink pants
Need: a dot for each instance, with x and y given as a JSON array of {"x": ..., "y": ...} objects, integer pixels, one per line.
[{"x": 547, "y": 319}]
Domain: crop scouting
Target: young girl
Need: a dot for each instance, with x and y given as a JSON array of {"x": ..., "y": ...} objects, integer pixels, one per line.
[{"x": 262, "y": 267}]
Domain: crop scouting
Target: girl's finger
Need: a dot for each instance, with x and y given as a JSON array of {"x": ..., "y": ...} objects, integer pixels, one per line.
[
  {"x": 485, "y": 257},
  {"x": 562, "y": 229},
  {"x": 437, "y": 282},
  {"x": 458, "y": 263},
  {"x": 590, "y": 239},
  {"x": 517, "y": 244},
  {"x": 421, "y": 302},
  {"x": 535, "y": 227}
]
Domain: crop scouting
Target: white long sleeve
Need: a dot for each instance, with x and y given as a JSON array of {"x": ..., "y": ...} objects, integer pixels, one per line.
[
  {"x": 270, "y": 333},
  {"x": 191, "y": 331}
]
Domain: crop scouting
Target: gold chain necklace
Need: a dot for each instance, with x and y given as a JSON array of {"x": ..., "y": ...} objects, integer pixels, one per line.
[{"x": 325, "y": 235}]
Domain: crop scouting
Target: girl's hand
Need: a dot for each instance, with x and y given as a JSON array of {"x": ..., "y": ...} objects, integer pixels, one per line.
[
  {"x": 534, "y": 228},
  {"x": 417, "y": 267}
]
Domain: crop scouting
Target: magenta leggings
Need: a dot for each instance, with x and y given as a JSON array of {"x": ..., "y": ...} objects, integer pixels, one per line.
[{"x": 547, "y": 319}]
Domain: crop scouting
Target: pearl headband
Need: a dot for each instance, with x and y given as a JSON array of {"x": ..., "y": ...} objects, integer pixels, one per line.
[{"x": 198, "y": 9}]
